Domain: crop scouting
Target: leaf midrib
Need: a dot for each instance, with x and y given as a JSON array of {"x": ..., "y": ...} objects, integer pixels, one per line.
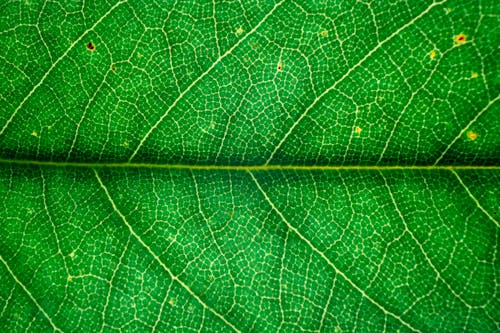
[{"x": 259, "y": 167}]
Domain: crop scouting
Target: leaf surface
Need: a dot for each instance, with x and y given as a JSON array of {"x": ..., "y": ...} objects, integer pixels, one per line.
[{"x": 250, "y": 166}]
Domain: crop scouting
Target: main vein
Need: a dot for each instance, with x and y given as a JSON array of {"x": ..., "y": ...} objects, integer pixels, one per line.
[{"x": 122, "y": 165}]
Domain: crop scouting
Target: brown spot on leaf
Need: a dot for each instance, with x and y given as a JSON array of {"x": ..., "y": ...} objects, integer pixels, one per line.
[
  {"x": 460, "y": 39},
  {"x": 90, "y": 46},
  {"x": 280, "y": 65}
]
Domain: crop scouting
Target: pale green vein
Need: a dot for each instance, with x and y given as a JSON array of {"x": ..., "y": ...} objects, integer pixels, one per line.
[
  {"x": 474, "y": 199},
  {"x": 351, "y": 69},
  {"x": 328, "y": 261},
  {"x": 249, "y": 167},
  {"x": 198, "y": 79},
  {"x": 157, "y": 259},
  {"x": 51, "y": 68},
  {"x": 30, "y": 295}
]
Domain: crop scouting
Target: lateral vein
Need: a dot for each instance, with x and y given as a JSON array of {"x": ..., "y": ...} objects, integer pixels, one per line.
[
  {"x": 42, "y": 80},
  {"x": 474, "y": 199},
  {"x": 157, "y": 259},
  {"x": 330, "y": 263},
  {"x": 30, "y": 295},
  {"x": 205, "y": 73}
]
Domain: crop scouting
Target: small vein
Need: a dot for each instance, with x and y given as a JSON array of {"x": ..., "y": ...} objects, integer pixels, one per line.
[
  {"x": 346, "y": 74},
  {"x": 51, "y": 68},
  {"x": 110, "y": 285},
  {"x": 280, "y": 282},
  {"x": 215, "y": 28},
  {"x": 474, "y": 198},
  {"x": 493, "y": 101},
  {"x": 329, "y": 262},
  {"x": 157, "y": 259},
  {"x": 205, "y": 73},
  {"x": 406, "y": 107},
  {"x": 214, "y": 237},
  {"x": 87, "y": 106},
  {"x": 415, "y": 239},
  {"x": 40, "y": 308},
  {"x": 327, "y": 305}
]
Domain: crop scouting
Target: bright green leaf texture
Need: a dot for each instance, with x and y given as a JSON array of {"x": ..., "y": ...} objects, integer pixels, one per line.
[{"x": 250, "y": 166}]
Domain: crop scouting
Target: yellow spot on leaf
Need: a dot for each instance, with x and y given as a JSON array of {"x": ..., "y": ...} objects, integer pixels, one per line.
[
  {"x": 239, "y": 31},
  {"x": 474, "y": 75},
  {"x": 139, "y": 55},
  {"x": 212, "y": 124},
  {"x": 171, "y": 302},
  {"x": 460, "y": 39},
  {"x": 472, "y": 135},
  {"x": 34, "y": 133},
  {"x": 70, "y": 278},
  {"x": 125, "y": 144},
  {"x": 432, "y": 54},
  {"x": 358, "y": 130},
  {"x": 72, "y": 254},
  {"x": 448, "y": 10},
  {"x": 324, "y": 33}
]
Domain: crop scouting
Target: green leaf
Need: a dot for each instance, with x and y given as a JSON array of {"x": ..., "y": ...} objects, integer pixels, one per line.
[{"x": 250, "y": 166}]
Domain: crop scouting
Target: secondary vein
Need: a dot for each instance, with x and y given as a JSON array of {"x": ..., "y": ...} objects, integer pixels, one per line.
[
  {"x": 157, "y": 258},
  {"x": 330, "y": 263},
  {"x": 30, "y": 295}
]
